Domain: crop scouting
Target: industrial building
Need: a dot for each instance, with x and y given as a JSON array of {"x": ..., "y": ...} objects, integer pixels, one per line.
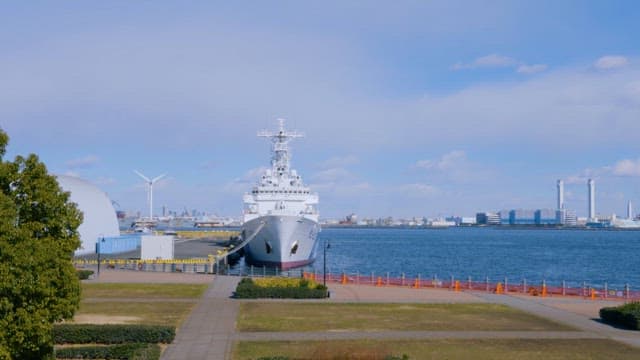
[
  {"x": 566, "y": 217},
  {"x": 522, "y": 217}
]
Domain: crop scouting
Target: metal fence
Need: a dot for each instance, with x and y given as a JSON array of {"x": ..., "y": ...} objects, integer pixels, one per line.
[{"x": 497, "y": 286}]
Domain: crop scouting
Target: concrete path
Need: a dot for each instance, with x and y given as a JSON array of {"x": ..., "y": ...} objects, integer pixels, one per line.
[{"x": 209, "y": 330}]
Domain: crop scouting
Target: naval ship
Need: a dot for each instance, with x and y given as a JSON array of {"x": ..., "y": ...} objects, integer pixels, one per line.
[{"x": 280, "y": 213}]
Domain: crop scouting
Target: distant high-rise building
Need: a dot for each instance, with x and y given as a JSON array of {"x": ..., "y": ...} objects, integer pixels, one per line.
[
  {"x": 629, "y": 211},
  {"x": 545, "y": 217},
  {"x": 592, "y": 199},
  {"x": 560, "y": 194},
  {"x": 487, "y": 218},
  {"x": 504, "y": 217}
]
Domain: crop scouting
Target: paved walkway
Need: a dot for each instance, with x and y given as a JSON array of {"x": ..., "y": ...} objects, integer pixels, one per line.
[{"x": 209, "y": 330}]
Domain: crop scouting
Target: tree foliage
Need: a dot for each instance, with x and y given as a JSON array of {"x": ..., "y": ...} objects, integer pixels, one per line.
[{"x": 38, "y": 235}]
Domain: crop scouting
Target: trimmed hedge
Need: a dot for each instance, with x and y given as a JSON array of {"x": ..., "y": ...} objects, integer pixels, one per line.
[
  {"x": 247, "y": 289},
  {"x": 112, "y": 334},
  {"x": 84, "y": 274},
  {"x": 627, "y": 315},
  {"x": 134, "y": 351}
]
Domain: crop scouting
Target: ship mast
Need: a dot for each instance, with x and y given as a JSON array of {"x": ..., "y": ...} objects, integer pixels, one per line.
[{"x": 280, "y": 147}]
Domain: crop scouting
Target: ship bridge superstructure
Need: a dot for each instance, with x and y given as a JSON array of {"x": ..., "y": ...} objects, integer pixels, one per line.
[{"x": 280, "y": 189}]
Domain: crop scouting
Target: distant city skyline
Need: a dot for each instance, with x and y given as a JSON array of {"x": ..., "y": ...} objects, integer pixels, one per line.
[{"x": 409, "y": 109}]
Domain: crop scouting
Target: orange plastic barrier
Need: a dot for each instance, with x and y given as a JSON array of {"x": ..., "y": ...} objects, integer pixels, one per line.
[
  {"x": 457, "y": 286},
  {"x": 499, "y": 289},
  {"x": 416, "y": 284},
  {"x": 544, "y": 291},
  {"x": 344, "y": 279},
  {"x": 379, "y": 282}
]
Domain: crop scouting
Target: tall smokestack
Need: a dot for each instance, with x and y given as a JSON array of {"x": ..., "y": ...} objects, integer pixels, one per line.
[
  {"x": 560, "y": 195},
  {"x": 592, "y": 198},
  {"x": 629, "y": 211}
]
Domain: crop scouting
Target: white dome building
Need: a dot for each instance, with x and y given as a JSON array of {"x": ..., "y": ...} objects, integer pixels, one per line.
[{"x": 99, "y": 216}]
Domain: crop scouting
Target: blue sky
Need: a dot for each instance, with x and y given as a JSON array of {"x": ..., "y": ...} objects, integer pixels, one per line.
[{"x": 410, "y": 108}]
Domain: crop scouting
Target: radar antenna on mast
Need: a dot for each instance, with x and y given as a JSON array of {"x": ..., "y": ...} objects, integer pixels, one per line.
[{"x": 280, "y": 147}]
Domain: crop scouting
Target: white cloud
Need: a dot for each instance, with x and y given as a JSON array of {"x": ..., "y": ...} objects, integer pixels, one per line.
[
  {"x": 448, "y": 161},
  {"x": 419, "y": 190},
  {"x": 455, "y": 167},
  {"x": 531, "y": 69},
  {"x": 626, "y": 167},
  {"x": 332, "y": 175},
  {"x": 103, "y": 180},
  {"x": 72, "y": 173},
  {"x": 611, "y": 62},
  {"x": 488, "y": 61},
  {"x": 621, "y": 168},
  {"x": 243, "y": 183},
  {"x": 575, "y": 179},
  {"x": 500, "y": 61},
  {"x": 83, "y": 162},
  {"x": 339, "y": 161}
]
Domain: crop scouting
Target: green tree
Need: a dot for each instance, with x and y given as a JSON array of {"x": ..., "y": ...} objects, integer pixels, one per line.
[{"x": 38, "y": 235}]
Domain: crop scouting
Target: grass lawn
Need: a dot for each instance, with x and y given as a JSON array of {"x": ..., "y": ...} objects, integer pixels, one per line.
[
  {"x": 272, "y": 316},
  {"x": 138, "y": 291},
  {"x": 152, "y": 313},
  {"x": 521, "y": 349}
]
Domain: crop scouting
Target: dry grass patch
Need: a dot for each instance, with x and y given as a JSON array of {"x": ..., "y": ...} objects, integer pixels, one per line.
[
  {"x": 152, "y": 313},
  {"x": 274, "y": 316},
  {"x": 507, "y": 349}
]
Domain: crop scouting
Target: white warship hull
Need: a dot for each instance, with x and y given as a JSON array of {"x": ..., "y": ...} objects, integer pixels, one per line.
[{"x": 283, "y": 241}]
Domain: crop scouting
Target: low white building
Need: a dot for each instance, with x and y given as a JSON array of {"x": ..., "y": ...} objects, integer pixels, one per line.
[{"x": 156, "y": 247}]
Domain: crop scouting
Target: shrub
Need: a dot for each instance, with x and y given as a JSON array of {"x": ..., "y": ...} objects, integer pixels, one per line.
[
  {"x": 280, "y": 288},
  {"x": 627, "y": 315},
  {"x": 133, "y": 351},
  {"x": 84, "y": 274},
  {"x": 112, "y": 334}
]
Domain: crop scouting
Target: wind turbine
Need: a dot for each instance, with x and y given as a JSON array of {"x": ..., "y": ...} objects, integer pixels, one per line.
[{"x": 150, "y": 183}]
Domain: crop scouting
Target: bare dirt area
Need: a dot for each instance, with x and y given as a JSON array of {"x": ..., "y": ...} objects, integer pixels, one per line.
[{"x": 104, "y": 319}]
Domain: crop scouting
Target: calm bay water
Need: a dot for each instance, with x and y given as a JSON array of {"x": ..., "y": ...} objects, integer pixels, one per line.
[{"x": 553, "y": 255}]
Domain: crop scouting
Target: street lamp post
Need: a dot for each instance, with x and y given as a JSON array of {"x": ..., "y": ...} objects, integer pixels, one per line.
[
  {"x": 325, "y": 246},
  {"x": 98, "y": 251}
]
